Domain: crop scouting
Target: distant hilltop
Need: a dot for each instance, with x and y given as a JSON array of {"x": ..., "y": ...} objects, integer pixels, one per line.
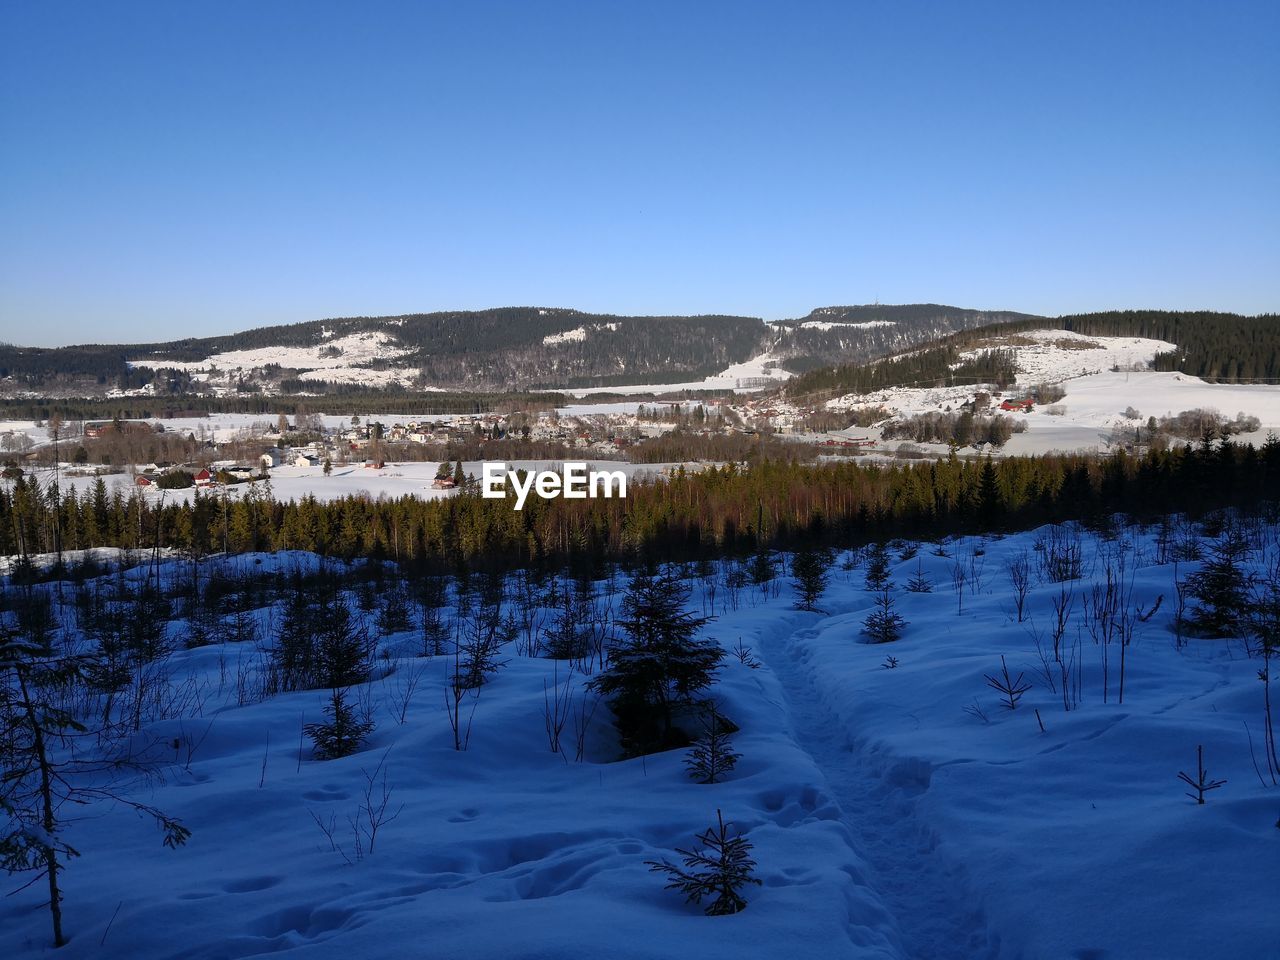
[{"x": 551, "y": 348}]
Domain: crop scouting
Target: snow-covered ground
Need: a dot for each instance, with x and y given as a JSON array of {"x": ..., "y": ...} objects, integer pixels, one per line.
[
  {"x": 1048, "y": 356},
  {"x": 1102, "y": 376},
  {"x": 340, "y": 359},
  {"x": 890, "y": 817},
  {"x": 1093, "y": 406},
  {"x": 833, "y": 325},
  {"x": 736, "y": 376},
  {"x": 410, "y": 478}
]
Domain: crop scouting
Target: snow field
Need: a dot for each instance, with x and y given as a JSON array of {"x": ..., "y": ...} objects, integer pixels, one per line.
[{"x": 887, "y": 821}]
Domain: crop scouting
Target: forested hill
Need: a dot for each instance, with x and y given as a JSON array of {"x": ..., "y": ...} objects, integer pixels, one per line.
[
  {"x": 1225, "y": 347},
  {"x": 509, "y": 348},
  {"x": 533, "y": 348},
  {"x": 501, "y": 349},
  {"x": 860, "y": 333},
  {"x": 1216, "y": 346}
]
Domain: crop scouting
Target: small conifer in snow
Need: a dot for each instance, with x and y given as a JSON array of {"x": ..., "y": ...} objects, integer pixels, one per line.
[
  {"x": 712, "y": 757},
  {"x": 719, "y": 869},
  {"x": 343, "y": 733},
  {"x": 883, "y": 625}
]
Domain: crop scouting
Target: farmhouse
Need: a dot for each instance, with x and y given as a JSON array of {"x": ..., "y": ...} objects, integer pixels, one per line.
[{"x": 1023, "y": 403}]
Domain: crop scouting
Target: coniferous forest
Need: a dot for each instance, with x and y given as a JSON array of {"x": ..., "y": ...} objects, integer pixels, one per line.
[{"x": 718, "y": 511}]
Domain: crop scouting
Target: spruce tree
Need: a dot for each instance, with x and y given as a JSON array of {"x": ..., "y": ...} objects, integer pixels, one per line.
[
  {"x": 659, "y": 664},
  {"x": 810, "y": 567},
  {"x": 720, "y": 869},
  {"x": 878, "y": 567},
  {"x": 52, "y": 765},
  {"x": 712, "y": 757},
  {"x": 342, "y": 734},
  {"x": 1221, "y": 590},
  {"x": 883, "y": 625}
]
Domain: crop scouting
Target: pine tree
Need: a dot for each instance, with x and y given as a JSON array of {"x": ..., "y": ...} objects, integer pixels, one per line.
[
  {"x": 712, "y": 757},
  {"x": 919, "y": 583},
  {"x": 878, "y": 568},
  {"x": 810, "y": 567},
  {"x": 659, "y": 665},
  {"x": 761, "y": 569},
  {"x": 720, "y": 869},
  {"x": 883, "y": 625},
  {"x": 343, "y": 733},
  {"x": 570, "y": 635},
  {"x": 1221, "y": 591},
  {"x": 39, "y": 786}
]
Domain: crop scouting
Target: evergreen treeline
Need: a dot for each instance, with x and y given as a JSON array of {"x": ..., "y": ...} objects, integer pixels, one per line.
[
  {"x": 353, "y": 400},
  {"x": 496, "y": 350},
  {"x": 504, "y": 349},
  {"x": 936, "y": 367},
  {"x": 898, "y": 327},
  {"x": 693, "y": 515},
  {"x": 1216, "y": 346}
]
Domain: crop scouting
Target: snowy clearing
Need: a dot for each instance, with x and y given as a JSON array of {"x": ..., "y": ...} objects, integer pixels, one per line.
[
  {"x": 1047, "y": 356},
  {"x": 833, "y": 324},
  {"x": 410, "y": 478},
  {"x": 336, "y": 353},
  {"x": 895, "y": 812},
  {"x": 740, "y": 377}
]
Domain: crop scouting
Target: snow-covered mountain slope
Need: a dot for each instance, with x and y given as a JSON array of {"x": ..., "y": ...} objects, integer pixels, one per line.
[
  {"x": 501, "y": 349},
  {"x": 896, "y": 808},
  {"x": 1106, "y": 385},
  {"x": 856, "y": 334}
]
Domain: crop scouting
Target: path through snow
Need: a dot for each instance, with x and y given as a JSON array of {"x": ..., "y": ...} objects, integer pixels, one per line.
[{"x": 927, "y": 895}]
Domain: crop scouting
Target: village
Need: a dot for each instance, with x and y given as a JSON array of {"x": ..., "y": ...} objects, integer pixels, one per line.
[{"x": 1098, "y": 410}]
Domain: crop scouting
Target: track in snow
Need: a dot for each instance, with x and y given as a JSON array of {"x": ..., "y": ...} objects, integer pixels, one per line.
[{"x": 924, "y": 893}]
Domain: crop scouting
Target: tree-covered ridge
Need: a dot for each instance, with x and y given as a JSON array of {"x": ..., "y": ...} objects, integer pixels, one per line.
[
  {"x": 507, "y": 348},
  {"x": 914, "y": 313},
  {"x": 500, "y": 349},
  {"x": 730, "y": 510},
  {"x": 935, "y": 367},
  {"x": 858, "y": 334},
  {"x": 350, "y": 400},
  {"x": 1216, "y": 346},
  {"x": 600, "y": 350}
]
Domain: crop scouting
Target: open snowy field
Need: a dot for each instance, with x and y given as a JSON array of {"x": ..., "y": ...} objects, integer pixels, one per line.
[
  {"x": 412, "y": 478},
  {"x": 896, "y": 807},
  {"x": 734, "y": 377},
  {"x": 1097, "y": 397},
  {"x": 338, "y": 359}
]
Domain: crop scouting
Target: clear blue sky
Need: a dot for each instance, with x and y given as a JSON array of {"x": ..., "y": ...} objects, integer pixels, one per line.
[{"x": 172, "y": 169}]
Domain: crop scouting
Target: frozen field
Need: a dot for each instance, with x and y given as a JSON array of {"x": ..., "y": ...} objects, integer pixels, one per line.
[
  {"x": 897, "y": 810},
  {"x": 1094, "y": 404},
  {"x": 412, "y": 478}
]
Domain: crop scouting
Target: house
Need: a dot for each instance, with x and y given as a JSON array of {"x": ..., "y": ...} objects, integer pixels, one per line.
[
  {"x": 271, "y": 459},
  {"x": 1024, "y": 404},
  {"x": 305, "y": 460},
  {"x": 204, "y": 478},
  {"x": 92, "y": 431},
  {"x": 142, "y": 480},
  {"x": 374, "y": 464},
  {"x": 443, "y": 483}
]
